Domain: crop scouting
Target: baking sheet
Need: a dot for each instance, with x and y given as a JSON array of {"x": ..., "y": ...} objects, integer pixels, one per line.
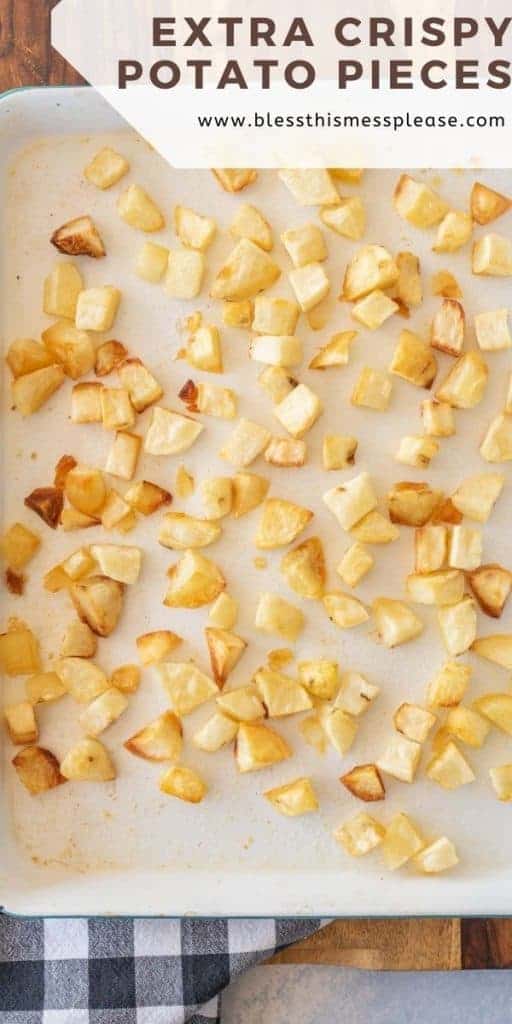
[{"x": 124, "y": 847}]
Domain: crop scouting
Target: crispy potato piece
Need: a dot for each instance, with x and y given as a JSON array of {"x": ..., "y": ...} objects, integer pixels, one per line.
[
  {"x": 79, "y": 563},
  {"x": 294, "y": 798},
  {"x": 360, "y": 835},
  {"x": 497, "y": 443},
  {"x": 88, "y": 761},
  {"x": 412, "y": 504},
  {"x": 249, "y": 223},
  {"x": 185, "y": 273},
  {"x": 396, "y": 623},
  {"x": 344, "y": 610},
  {"x": 224, "y": 612},
  {"x": 458, "y": 623},
  {"x": 438, "y": 418},
  {"x": 350, "y": 175},
  {"x": 299, "y": 410},
  {"x": 161, "y": 740},
  {"x": 153, "y": 647},
  {"x": 465, "y": 548},
  {"x": 338, "y": 451},
  {"x": 215, "y": 733},
  {"x": 375, "y": 528},
  {"x": 311, "y": 186},
  {"x": 126, "y": 678},
  {"x": 304, "y": 568},
  {"x": 501, "y": 779},
  {"x": 491, "y": 585},
  {"x": 275, "y": 615},
  {"x": 203, "y": 350},
  {"x": 476, "y": 496},
  {"x": 453, "y": 232},
  {"x": 280, "y": 694},
  {"x": 448, "y": 687},
  {"x": 180, "y": 531},
  {"x": 242, "y": 704},
  {"x": 335, "y": 353},
  {"x": 486, "y": 204},
  {"x": 414, "y": 361},
  {"x": 417, "y": 450},
  {"x": 152, "y": 262},
  {"x": 106, "y": 168},
  {"x": 320, "y": 678},
  {"x": 310, "y": 284},
  {"x": 281, "y": 522},
  {"x": 86, "y": 403},
  {"x": 448, "y": 328},
  {"x": 444, "y": 587},
  {"x": 146, "y": 497},
  {"x": 347, "y": 218},
  {"x": 38, "y": 769},
  {"x": 351, "y": 501},
  {"x": 401, "y": 758},
  {"x": 431, "y": 548},
  {"x": 185, "y": 483},
  {"x": 79, "y": 237},
  {"x": 467, "y": 726},
  {"x": 186, "y": 686},
  {"x": 445, "y": 284},
  {"x": 217, "y": 495},
  {"x": 372, "y": 390},
  {"x": 25, "y": 355},
  {"x": 408, "y": 289},
  {"x": 124, "y": 454},
  {"x": 364, "y": 781},
  {"x": 355, "y": 564},
  {"x": 496, "y": 648},
  {"x": 276, "y": 349},
  {"x": 402, "y": 841},
  {"x": 193, "y": 230},
  {"x": 305, "y": 244},
  {"x": 225, "y": 650},
  {"x": 137, "y": 209},
  {"x": 19, "y": 652},
  {"x": 492, "y": 256},
  {"x": 374, "y": 309},
  {"x": 238, "y": 314},
  {"x": 21, "y": 723},
  {"x": 109, "y": 356},
  {"x": 236, "y": 179},
  {"x": 413, "y": 721},
  {"x": 492, "y": 331},
  {"x": 61, "y": 289},
  {"x": 370, "y": 268},
  {"x": 103, "y": 711},
  {"x": 18, "y": 546},
  {"x": 449, "y": 768},
  {"x": 32, "y": 390},
  {"x": 85, "y": 489},
  {"x": 257, "y": 746},
  {"x": 417, "y": 203},
  {"x": 274, "y": 316},
  {"x": 183, "y": 783},
  {"x": 247, "y": 271},
  {"x": 44, "y": 687},
  {"x": 209, "y": 399},
  {"x": 96, "y": 308},
  {"x": 15, "y": 582},
  {"x": 47, "y": 503},
  {"x": 438, "y": 856},
  {"x": 98, "y": 602},
  {"x": 118, "y": 561},
  {"x": 249, "y": 490},
  {"x": 245, "y": 443},
  {"x": 170, "y": 433},
  {"x": 82, "y": 679},
  {"x": 194, "y": 581},
  {"x": 355, "y": 694},
  {"x": 140, "y": 384}
]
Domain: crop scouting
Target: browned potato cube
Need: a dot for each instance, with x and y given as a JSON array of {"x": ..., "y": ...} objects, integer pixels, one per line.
[
  {"x": 19, "y": 652},
  {"x": 38, "y": 769},
  {"x": 21, "y": 723},
  {"x": 364, "y": 782}
]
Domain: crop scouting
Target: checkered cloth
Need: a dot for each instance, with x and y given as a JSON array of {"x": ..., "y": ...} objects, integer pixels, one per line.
[{"x": 130, "y": 971}]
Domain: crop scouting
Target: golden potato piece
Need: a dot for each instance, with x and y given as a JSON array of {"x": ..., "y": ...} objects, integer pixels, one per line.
[
  {"x": 106, "y": 168},
  {"x": 126, "y": 678},
  {"x": 445, "y": 284},
  {"x": 313, "y": 733},
  {"x": 374, "y": 309},
  {"x": 351, "y": 501},
  {"x": 467, "y": 725},
  {"x": 195, "y": 581},
  {"x": 311, "y": 186},
  {"x": 294, "y": 798},
  {"x": 319, "y": 677},
  {"x": 103, "y": 711},
  {"x": 305, "y": 244},
  {"x": 185, "y": 273},
  {"x": 242, "y": 704},
  {"x": 280, "y": 523},
  {"x": 458, "y": 623},
  {"x": 338, "y": 451},
  {"x": 344, "y": 610},
  {"x": 448, "y": 687},
  {"x": 396, "y": 623},
  {"x": 118, "y": 561},
  {"x": 476, "y": 496},
  {"x": 61, "y": 289},
  {"x": 444, "y": 587},
  {"x": 375, "y": 528},
  {"x": 492, "y": 331},
  {"x": 124, "y": 454},
  {"x": 146, "y": 497},
  {"x": 109, "y": 356},
  {"x": 32, "y": 390},
  {"x": 194, "y": 230},
  {"x": 215, "y": 733},
  {"x": 417, "y": 450},
  {"x": 487, "y": 204},
  {"x": 418, "y": 203},
  {"x": 491, "y": 585},
  {"x": 236, "y": 179},
  {"x": 492, "y": 256},
  {"x": 438, "y": 856},
  {"x": 401, "y": 758},
  {"x": 412, "y": 504},
  {"x": 249, "y": 490},
  {"x": 161, "y": 740},
  {"x": 335, "y": 353},
  {"x": 275, "y": 615},
  {"x": 347, "y": 218},
  {"x": 21, "y": 723},
  {"x": 19, "y": 652},
  {"x": 449, "y": 768},
  {"x": 25, "y": 355},
  {"x": 170, "y": 432},
  {"x": 183, "y": 783},
  {"x": 257, "y": 746},
  {"x": 402, "y": 841},
  {"x": 140, "y": 384},
  {"x": 96, "y": 308},
  {"x": 85, "y": 489},
  {"x": 47, "y": 503},
  {"x": 372, "y": 390},
  {"x": 310, "y": 284},
  {"x": 186, "y": 685},
  {"x": 18, "y": 546},
  {"x": 225, "y": 650},
  {"x": 246, "y": 442},
  {"x": 274, "y": 316},
  {"x": 497, "y": 708},
  {"x": 413, "y": 721},
  {"x": 497, "y": 443},
  {"x": 138, "y": 210},
  {"x": 371, "y": 267},
  {"x": 431, "y": 548},
  {"x": 98, "y": 602},
  {"x": 413, "y": 360},
  {"x": 280, "y": 694},
  {"x": 364, "y": 781},
  {"x": 44, "y": 686},
  {"x": 70, "y": 347},
  {"x": 453, "y": 232},
  {"x": 79, "y": 237},
  {"x": 88, "y": 761},
  {"x": 448, "y": 328},
  {"x": 82, "y": 679},
  {"x": 152, "y": 262},
  {"x": 250, "y": 223},
  {"x": 299, "y": 410},
  {"x": 38, "y": 769},
  {"x": 247, "y": 271},
  {"x": 360, "y": 835},
  {"x": 438, "y": 418},
  {"x": 501, "y": 779},
  {"x": 153, "y": 647},
  {"x": 355, "y": 694},
  {"x": 224, "y": 611},
  {"x": 304, "y": 568},
  {"x": 180, "y": 531}
]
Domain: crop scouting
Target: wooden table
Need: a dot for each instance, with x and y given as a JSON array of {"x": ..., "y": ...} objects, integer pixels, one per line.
[{"x": 26, "y": 58}]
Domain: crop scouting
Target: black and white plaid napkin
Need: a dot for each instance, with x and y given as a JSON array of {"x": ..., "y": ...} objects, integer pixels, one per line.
[{"x": 130, "y": 971}]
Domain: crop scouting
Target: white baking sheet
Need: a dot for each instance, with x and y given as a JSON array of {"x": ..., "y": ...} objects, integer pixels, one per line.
[{"x": 124, "y": 847}]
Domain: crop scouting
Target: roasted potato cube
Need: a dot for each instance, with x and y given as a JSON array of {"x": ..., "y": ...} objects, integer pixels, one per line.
[
  {"x": 364, "y": 782},
  {"x": 453, "y": 232},
  {"x": 402, "y": 841},
  {"x": 238, "y": 314},
  {"x": 351, "y": 501},
  {"x": 193, "y": 230},
  {"x": 438, "y": 418},
  {"x": 304, "y": 568},
  {"x": 476, "y": 496},
  {"x": 276, "y": 349},
  {"x": 310, "y": 284},
  {"x": 492, "y": 256},
  {"x": 98, "y": 602},
  {"x": 374, "y": 309},
  {"x": 235, "y": 179},
  {"x": 281, "y": 522},
  {"x": 355, "y": 564},
  {"x": 413, "y": 360},
  {"x": 247, "y": 271},
  {"x": 225, "y": 650},
  {"x": 170, "y": 433},
  {"x": 407, "y": 290},
  {"x": 445, "y": 587},
  {"x": 497, "y": 443},
  {"x": 374, "y": 528},
  {"x": 186, "y": 686},
  {"x": 275, "y": 615},
  {"x": 320, "y": 678},
  {"x": 340, "y": 729},
  {"x": 355, "y": 694},
  {"x": 115, "y": 511},
  {"x": 183, "y": 783},
  {"x": 311, "y": 186},
  {"x": 305, "y": 245},
  {"x": 47, "y": 503},
  {"x": 161, "y": 740},
  {"x": 217, "y": 496},
  {"x": 416, "y": 450},
  {"x": 82, "y": 679},
  {"x": 146, "y": 497},
  {"x": 123, "y": 456},
  {"x": 280, "y": 694},
  {"x": 117, "y": 411},
  {"x": 486, "y": 204},
  {"x": 249, "y": 490},
  {"x": 224, "y": 612},
  {"x": 246, "y": 442},
  {"x": 85, "y": 489},
  {"x": 497, "y": 708},
  {"x": 96, "y": 308},
  {"x": 350, "y": 175},
  {"x": 282, "y": 451},
  {"x": 137, "y": 209},
  {"x": 152, "y": 262},
  {"x": 86, "y": 403},
  {"x": 194, "y": 581},
  {"x": 275, "y": 316},
  {"x": 465, "y": 548},
  {"x": 492, "y": 332},
  {"x": 215, "y": 733},
  {"x": 458, "y": 625},
  {"x": 299, "y": 410},
  {"x": 242, "y": 704},
  {"x": 293, "y": 798},
  {"x": 21, "y": 723},
  {"x": 19, "y": 652},
  {"x": 396, "y": 623},
  {"x": 467, "y": 726},
  {"x": 449, "y": 768},
  {"x": 370, "y": 268},
  {"x": 335, "y": 353},
  {"x": 448, "y": 328},
  {"x": 43, "y": 687},
  {"x": 413, "y": 721},
  {"x": 431, "y": 548},
  {"x": 438, "y": 856},
  {"x": 417, "y": 203},
  {"x": 180, "y": 531},
  {"x": 106, "y": 168},
  {"x": 209, "y": 399},
  {"x": 79, "y": 563},
  {"x": 445, "y": 284},
  {"x": 18, "y": 546},
  {"x": 344, "y": 610},
  {"x": 412, "y": 503},
  {"x": 38, "y": 769},
  {"x": 103, "y": 711},
  {"x": 401, "y": 758},
  {"x": 32, "y": 390},
  {"x": 126, "y": 678},
  {"x": 312, "y": 732},
  {"x": 118, "y": 561},
  {"x": 491, "y": 585},
  {"x": 501, "y": 779},
  {"x": 372, "y": 390},
  {"x": 257, "y": 746},
  {"x": 360, "y": 834},
  {"x": 347, "y": 218},
  {"x": 25, "y": 355},
  {"x": 61, "y": 290},
  {"x": 448, "y": 687},
  {"x": 88, "y": 761},
  {"x": 185, "y": 272},
  {"x": 249, "y": 223},
  {"x": 70, "y": 347},
  {"x": 79, "y": 237},
  {"x": 109, "y": 356},
  {"x": 203, "y": 349},
  {"x": 276, "y": 382},
  {"x": 338, "y": 451},
  {"x": 153, "y": 647}
]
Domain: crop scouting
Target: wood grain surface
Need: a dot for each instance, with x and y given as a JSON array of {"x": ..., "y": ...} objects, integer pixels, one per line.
[{"x": 26, "y": 58}]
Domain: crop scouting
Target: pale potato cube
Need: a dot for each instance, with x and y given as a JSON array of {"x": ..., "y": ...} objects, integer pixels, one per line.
[
  {"x": 355, "y": 564},
  {"x": 283, "y": 451},
  {"x": 106, "y": 168},
  {"x": 96, "y": 308},
  {"x": 497, "y": 443},
  {"x": 347, "y": 218},
  {"x": 152, "y": 262},
  {"x": 438, "y": 856},
  {"x": 280, "y": 694},
  {"x": 246, "y": 442},
  {"x": 492, "y": 331},
  {"x": 183, "y": 783},
  {"x": 465, "y": 384},
  {"x": 249, "y": 223},
  {"x": 275, "y": 615},
  {"x": 448, "y": 687},
  {"x": 313, "y": 734},
  {"x": 465, "y": 547},
  {"x": 401, "y": 758},
  {"x": 344, "y": 610},
  {"x": 438, "y": 418},
  {"x": 117, "y": 411},
  {"x": 186, "y": 686},
  {"x": 340, "y": 729},
  {"x": 492, "y": 256},
  {"x": 123, "y": 455},
  {"x": 259, "y": 747},
  {"x": 335, "y": 353},
  {"x": 293, "y": 798},
  {"x": 217, "y": 496},
  {"x": 320, "y": 678},
  {"x": 311, "y": 186},
  {"x": 118, "y": 561},
  {"x": 396, "y": 623},
  {"x": 139, "y": 210},
  {"x": 276, "y": 382},
  {"x": 170, "y": 433},
  {"x": 224, "y": 612},
  {"x": 21, "y": 723},
  {"x": 61, "y": 290},
  {"x": 281, "y": 522},
  {"x": 453, "y": 232},
  {"x": 45, "y": 686},
  {"x": 413, "y": 721},
  {"x": 274, "y": 316},
  {"x": 374, "y": 309},
  {"x": 448, "y": 327},
  {"x": 215, "y": 733},
  {"x": 431, "y": 548},
  {"x": 418, "y": 203},
  {"x": 373, "y": 390},
  {"x": 402, "y": 841},
  {"x": 501, "y": 779},
  {"x": 299, "y": 410},
  {"x": 193, "y": 230},
  {"x": 413, "y": 360},
  {"x": 417, "y": 451},
  {"x": 305, "y": 245},
  {"x": 375, "y": 528},
  {"x": 114, "y": 511},
  {"x": 88, "y": 761},
  {"x": 467, "y": 726},
  {"x": 458, "y": 623},
  {"x": 449, "y": 768},
  {"x": 486, "y": 204},
  {"x": 235, "y": 179},
  {"x": 371, "y": 268},
  {"x": 249, "y": 490},
  {"x": 476, "y": 496},
  {"x": 338, "y": 451},
  {"x": 310, "y": 284},
  {"x": 238, "y": 314},
  {"x": 103, "y": 711},
  {"x": 276, "y": 349},
  {"x": 355, "y": 693},
  {"x": 352, "y": 500},
  {"x": 82, "y": 679},
  {"x": 18, "y": 545},
  {"x": 445, "y": 587},
  {"x": 204, "y": 349},
  {"x": 247, "y": 271},
  {"x": 194, "y": 581},
  {"x": 185, "y": 272},
  {"x": 497, "y": 708},
  {"x": 242, "y": 704},
  {"x": 360, "y": 834}
]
